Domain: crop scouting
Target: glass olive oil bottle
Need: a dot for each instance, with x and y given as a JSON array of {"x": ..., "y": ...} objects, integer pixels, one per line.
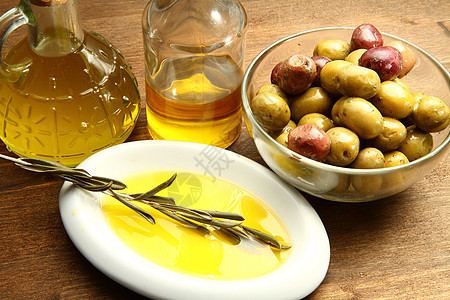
[{"x": 194, "y": 52}]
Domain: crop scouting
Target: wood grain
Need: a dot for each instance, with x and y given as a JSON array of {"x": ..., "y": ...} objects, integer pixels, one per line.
[{"x": 398, "y": 247}]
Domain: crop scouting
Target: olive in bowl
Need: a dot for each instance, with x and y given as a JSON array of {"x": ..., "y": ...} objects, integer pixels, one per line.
[{"x": 351, "y": 182}]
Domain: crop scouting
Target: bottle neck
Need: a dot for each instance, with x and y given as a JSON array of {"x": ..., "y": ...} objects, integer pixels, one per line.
[{"x": 55, "y": 29}]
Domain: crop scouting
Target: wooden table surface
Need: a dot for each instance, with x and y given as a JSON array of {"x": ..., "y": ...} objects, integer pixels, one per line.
[{"x": 398, "y": 247}]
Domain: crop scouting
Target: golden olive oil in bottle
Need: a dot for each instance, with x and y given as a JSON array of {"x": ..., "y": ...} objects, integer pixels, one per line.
[
  {"x": 194, "y": 53},
  {"x": 199, "y": 102}
]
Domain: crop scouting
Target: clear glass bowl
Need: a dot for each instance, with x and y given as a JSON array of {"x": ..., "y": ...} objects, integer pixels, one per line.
[{"x": 328, "y": 181}]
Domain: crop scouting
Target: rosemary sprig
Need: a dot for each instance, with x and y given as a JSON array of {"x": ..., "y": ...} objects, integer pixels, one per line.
[{"x": 228, "y": 223}]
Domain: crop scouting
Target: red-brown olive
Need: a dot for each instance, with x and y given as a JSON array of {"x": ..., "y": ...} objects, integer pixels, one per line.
[
  {"x": 310, "y": 141},
  {"x": 408, "y": 56},
  {"x": 296, "y": 74},
  {"x": 320, "y": 61},
  {"x": 385, "y": 60},
  {"x": 365, "y": 36},
  {"x": 273, "y": 74}
]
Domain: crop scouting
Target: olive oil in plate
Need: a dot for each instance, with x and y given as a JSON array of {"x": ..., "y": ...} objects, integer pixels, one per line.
[{"x": 185, "y": 250}]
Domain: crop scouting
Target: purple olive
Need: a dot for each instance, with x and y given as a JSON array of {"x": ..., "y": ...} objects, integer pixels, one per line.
[
  {"x": 296, "y": 74},
  {"x": 320, "y": 61},
  {"x": 365, "y": 36},
  {"x": 385, "y": 60}
]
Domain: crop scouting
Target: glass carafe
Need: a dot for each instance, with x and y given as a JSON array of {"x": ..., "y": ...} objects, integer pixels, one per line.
[
  {"x": 65, "y": 93},
  {"x": 194, "y": 52}
]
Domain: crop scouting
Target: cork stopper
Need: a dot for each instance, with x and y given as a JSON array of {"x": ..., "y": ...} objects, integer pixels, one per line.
[{"x": 47, "y": 2}]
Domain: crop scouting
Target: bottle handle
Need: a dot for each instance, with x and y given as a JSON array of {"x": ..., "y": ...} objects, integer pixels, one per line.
[{"x": 10, "y": 21}]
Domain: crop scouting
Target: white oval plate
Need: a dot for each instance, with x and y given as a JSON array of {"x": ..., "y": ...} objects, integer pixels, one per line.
[{"x": 83, "y": 220}]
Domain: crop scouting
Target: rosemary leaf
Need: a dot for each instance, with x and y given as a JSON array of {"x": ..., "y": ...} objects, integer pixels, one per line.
[
  {"x": 232, "y": 237},
  {"x": 71, "y": 174},
  {"x": 33, "y": 168},
  {"x": 157, "y": 189},
  {"x": 239, "y": 231},
  {"x": 115, "y": 184},
  {"x": 51, "y": 167},
  {"x": 101, "y": 181},
  {"x": 41, "y": 169},
  {"x": 215, "y": 222},
  {"x": 264, "y": 237},
  {"x": 96, "y": 187},
  {"x": 185, "y": 222},
  {"x": 187, "y": 212},
  {"x": 224, "y": 215},
  {"x": 157, "y": 199},
  {"x": 137, "y": 209},
  {"x": 37, "y": 161},
  {"x": 86, "y": 184}
]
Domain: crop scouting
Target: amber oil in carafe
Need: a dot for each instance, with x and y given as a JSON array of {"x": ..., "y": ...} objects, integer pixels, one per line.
[{"x": 74, "y": 96}]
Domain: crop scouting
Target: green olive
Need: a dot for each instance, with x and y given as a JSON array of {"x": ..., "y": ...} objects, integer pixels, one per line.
[
  {"x": 354, "y": 56},
  {"x": 431, "y": 114},
  {"x": 333, "y": 49},
  {"x": 392, "y": 135},
  {"x": 369, "y": 158},
  {"x": 320, "y": 120},
  {"x": 290, "y": 125},
  {"x": 328, "y": 73},
  {"x": 313, "y": 100},
  {"x": 417, "y": 95},
  {"x": 283, "y": 138},
  {"x": 408, "y": 57},
  {"x": 367, "y": 184},
  {"x": 276, "y": 133},
  {"x": 395, "y": 158},
  {"x": 335, "y": 111},
  {"x": 357, "y": 81},
  {"x": 393, "y": 100},
  {"x": 402, "y": 83},
  {"x": 417, "y": 143},
  {"x": 344, "y": 146},
  {"x": 361, "y": 116},
  {"x": 274, "y": 89},
  {"x": 343, "y": 185},
  {"x": 394, "y": 178},
  {"x": 271, "y": 111}
]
